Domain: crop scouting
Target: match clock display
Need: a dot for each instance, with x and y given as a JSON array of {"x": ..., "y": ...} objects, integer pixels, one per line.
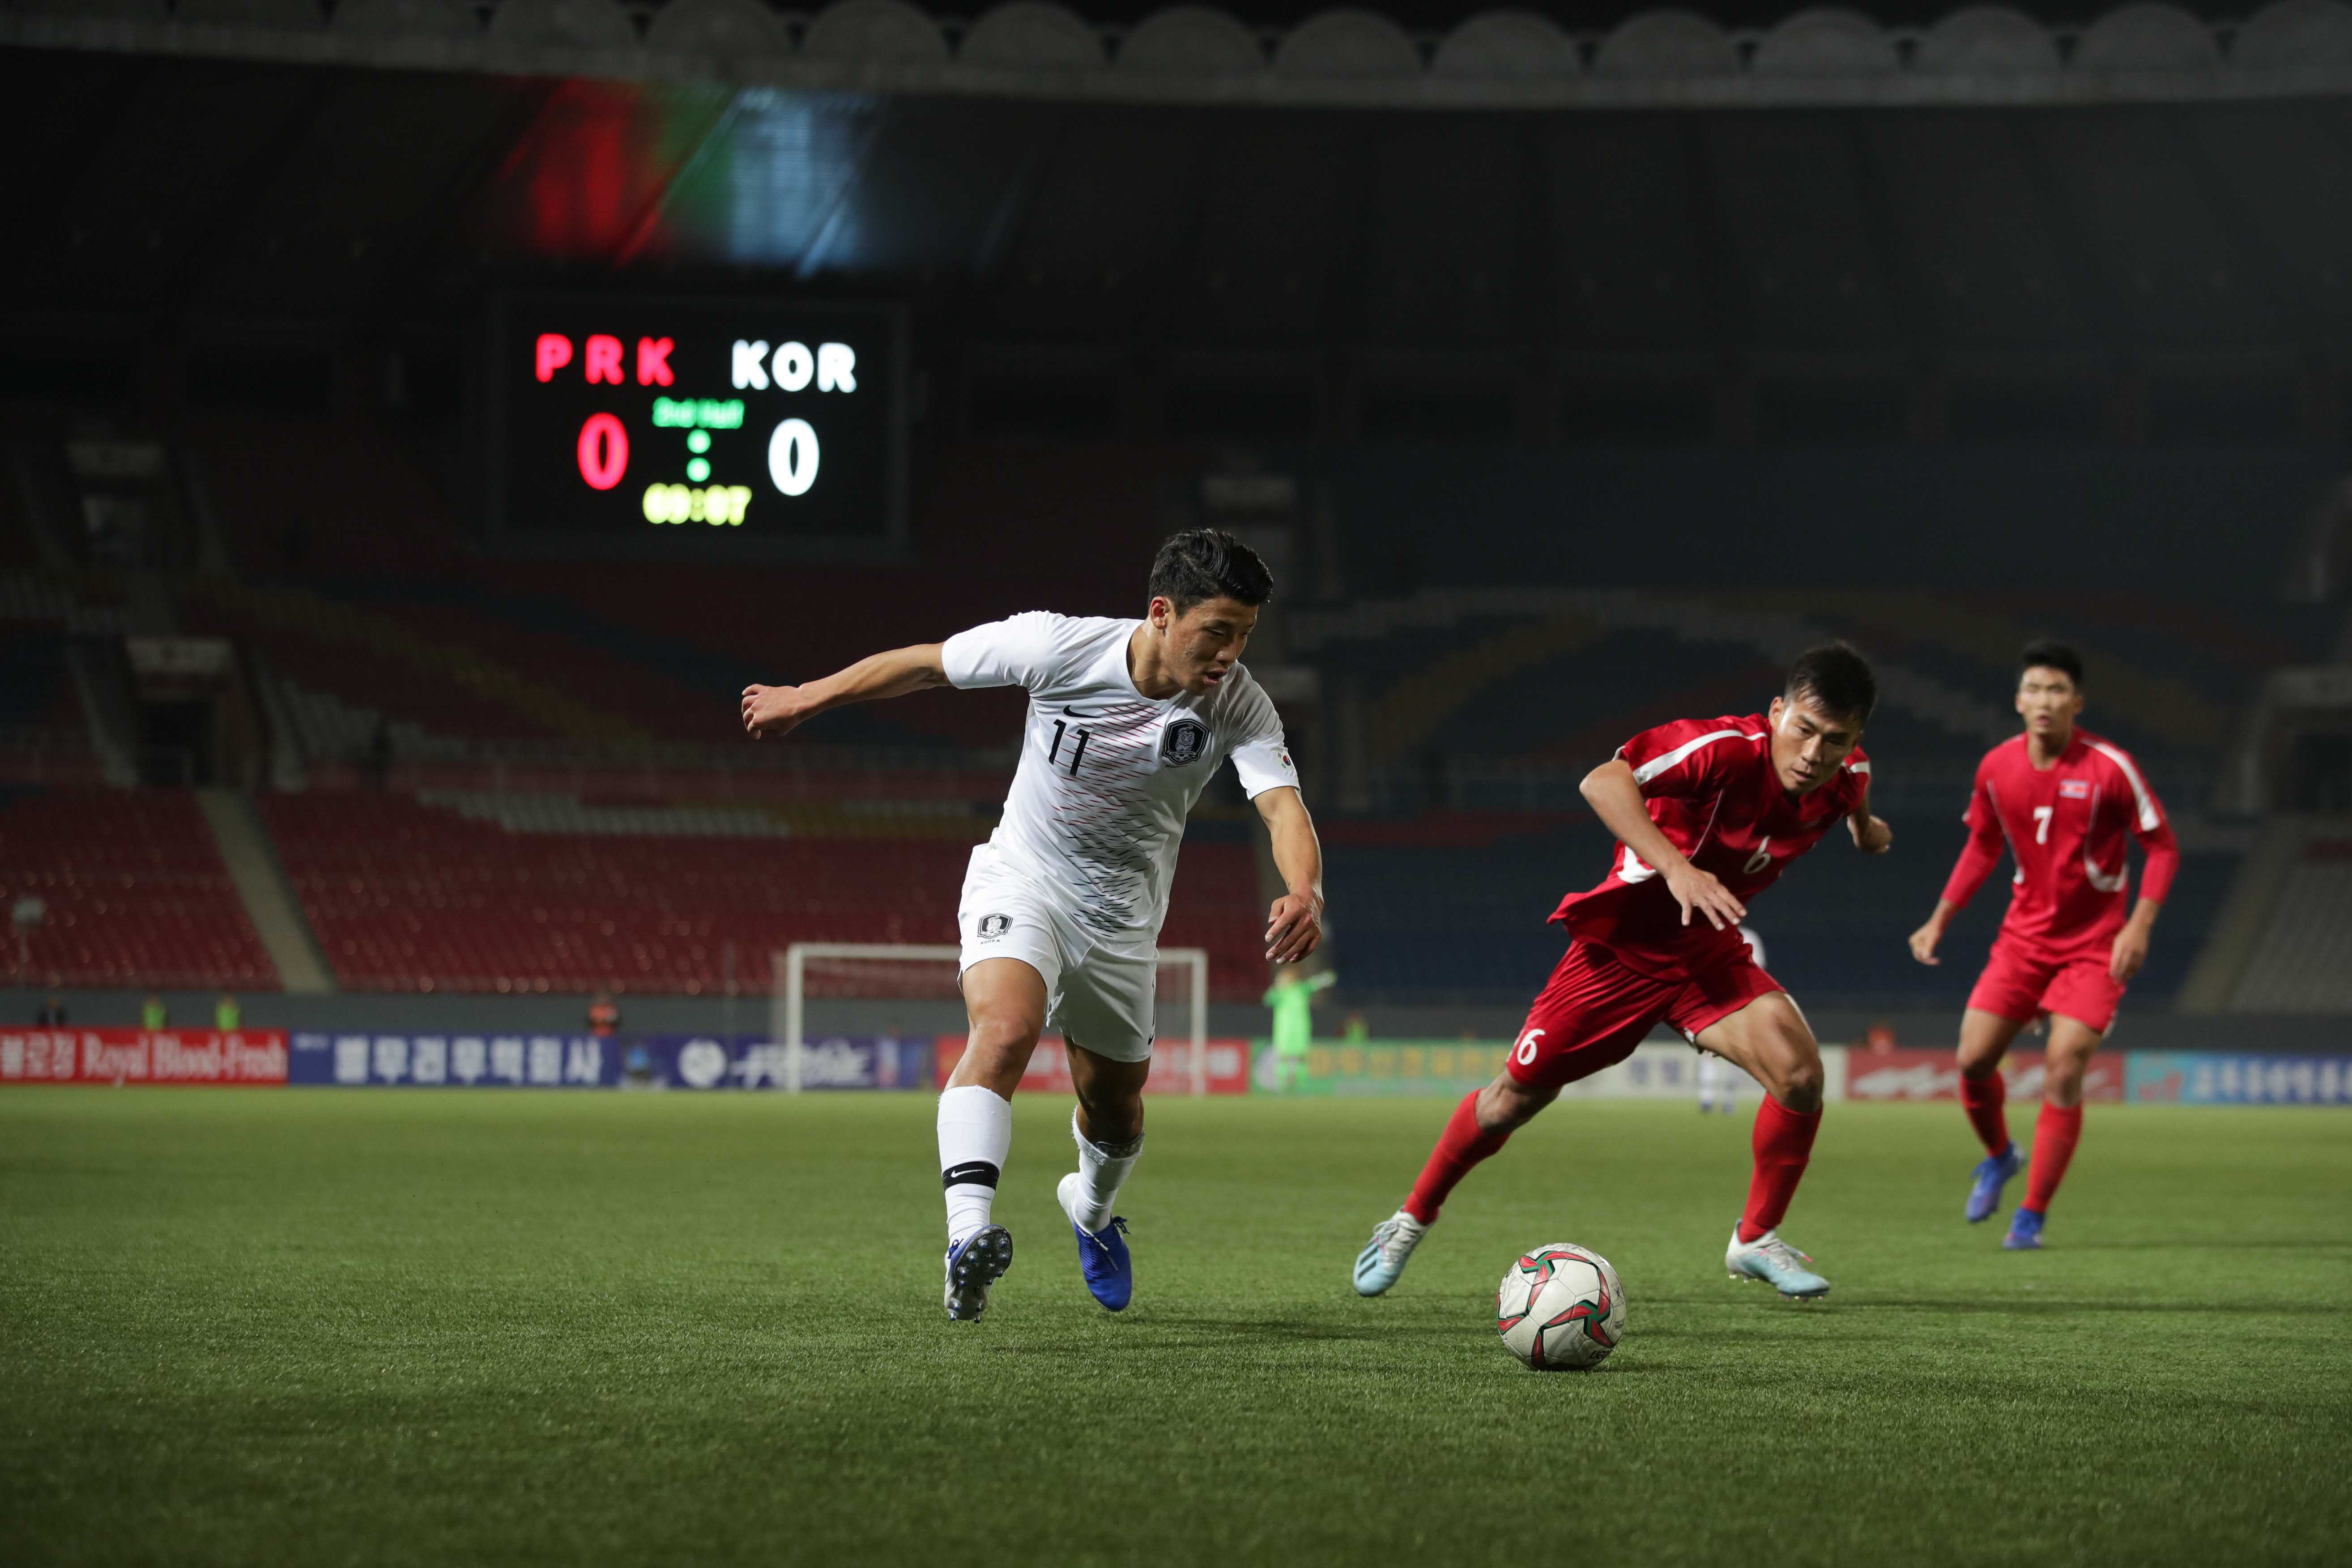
[{"x": 745, "y": 420}]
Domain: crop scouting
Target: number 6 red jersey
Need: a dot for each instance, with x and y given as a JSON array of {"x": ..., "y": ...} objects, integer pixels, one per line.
[
  {"x": 2069, "y": 828},
  {"x": 1710, "y": 787}
]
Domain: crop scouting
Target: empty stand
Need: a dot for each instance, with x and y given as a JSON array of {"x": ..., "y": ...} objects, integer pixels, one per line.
[
  {"x": 2303, "y": 961},
  {"x": 357, "y": 589},
  {"x": 136, "y": 893},
  {"x": 490, "y": 893},
  {"x": 1453, "y": 907}
]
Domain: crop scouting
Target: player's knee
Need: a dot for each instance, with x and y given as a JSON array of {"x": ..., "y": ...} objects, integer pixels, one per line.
[
  {"x": 1003, "y": 1030},
  {"x": 1801, "y": 1083},
  {"x": 2063, "y": 1086},
  {"x": 1506, "y": 1104},
  {"x": 1002, "y": 1039}
]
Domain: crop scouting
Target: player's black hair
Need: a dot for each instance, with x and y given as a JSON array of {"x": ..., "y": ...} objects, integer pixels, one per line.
[
  {"x": 2048, "y": 655},
  {"x": 1203, "y": 563},
  {"x": 1837, "y": 675}
]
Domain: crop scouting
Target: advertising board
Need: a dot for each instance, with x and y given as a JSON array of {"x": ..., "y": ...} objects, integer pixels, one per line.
[{"x": 248, "y": 1057}]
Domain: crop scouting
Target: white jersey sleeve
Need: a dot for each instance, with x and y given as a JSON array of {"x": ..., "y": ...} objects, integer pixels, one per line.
[
  {"x": 1032, "y": 649},
  {"x": 1260, "y": 756}
]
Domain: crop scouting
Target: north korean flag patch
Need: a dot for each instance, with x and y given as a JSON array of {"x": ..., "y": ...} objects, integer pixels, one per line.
[{"x": 2073, "y": 789}]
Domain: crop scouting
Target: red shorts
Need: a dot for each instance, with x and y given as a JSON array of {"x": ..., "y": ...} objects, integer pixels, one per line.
[
  {"x": 2021, "y": 982},
  {"x": 1595, "y": 1009}
]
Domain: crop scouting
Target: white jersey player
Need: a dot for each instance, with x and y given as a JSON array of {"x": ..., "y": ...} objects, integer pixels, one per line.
[{"x": 1062, "y": 907}]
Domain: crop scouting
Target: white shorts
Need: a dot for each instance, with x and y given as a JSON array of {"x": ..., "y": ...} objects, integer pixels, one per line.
[{"x": 1098, "y": 1000}]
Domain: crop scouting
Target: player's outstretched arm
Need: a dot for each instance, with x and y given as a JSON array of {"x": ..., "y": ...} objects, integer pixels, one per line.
[
  {"x": 1978, "y": 856},
  {"x": 1293, "y": 926},
  {"x": 779, "y": 709},
  {"x": 1616, "y": 799},
  {"x": 2130, "y": 948}
]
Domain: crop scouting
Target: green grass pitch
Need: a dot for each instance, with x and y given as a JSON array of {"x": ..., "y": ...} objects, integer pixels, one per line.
[{"x": 388, "y": 1326}]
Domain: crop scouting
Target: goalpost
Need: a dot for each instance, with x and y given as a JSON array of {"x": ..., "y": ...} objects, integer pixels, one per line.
[{"x": 883, "y": 969}]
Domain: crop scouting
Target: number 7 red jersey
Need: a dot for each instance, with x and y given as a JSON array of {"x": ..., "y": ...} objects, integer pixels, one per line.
[
  {"x": 2069, "y": 827},
  {"x": 1710, "y": 786}
]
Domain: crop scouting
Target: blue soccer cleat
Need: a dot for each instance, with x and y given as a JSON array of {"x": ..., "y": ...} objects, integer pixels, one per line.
[
  {"x": 2024, "y": 1232},
  {"x": 975, "y": 1263},
  {"x": 1993, "y": 1172},
  {"x": 1776, "y": 1263},
  {"x": 1382, "y": 1261},
  {"x": 1103, "y": 1261}
]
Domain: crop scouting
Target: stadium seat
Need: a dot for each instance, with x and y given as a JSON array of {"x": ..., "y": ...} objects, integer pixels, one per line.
[
  {"x": 137, "y": 895},
  {"x": 538, "y": 893}
]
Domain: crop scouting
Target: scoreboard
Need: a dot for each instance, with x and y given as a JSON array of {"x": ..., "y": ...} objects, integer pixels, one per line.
[{"x": 644, "y": 419}]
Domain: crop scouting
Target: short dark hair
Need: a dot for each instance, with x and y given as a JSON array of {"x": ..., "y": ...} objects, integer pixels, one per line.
[
  {"x": 1204, "y": 563},
  {"x": 2046, "y": 653},
  {"x": 1837, "y": 676}
]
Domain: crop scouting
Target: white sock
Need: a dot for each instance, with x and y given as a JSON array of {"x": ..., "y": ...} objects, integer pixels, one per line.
[
  {"x": 975, "y": 1133},
  {"x": 1709, "y": 1077},
  {"x": 1102, "y": 1171}
]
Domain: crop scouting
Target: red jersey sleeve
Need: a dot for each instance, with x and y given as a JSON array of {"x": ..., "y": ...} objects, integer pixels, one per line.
[
  {"x": 1689, "y": 757},
  {"x": 1854, "y": 774},
  {"x": 1981, "y": 853},
  {"x": 2149, "y": 826}
]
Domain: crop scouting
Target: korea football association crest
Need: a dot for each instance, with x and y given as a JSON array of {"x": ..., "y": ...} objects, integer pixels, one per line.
[
  {"x": 994, "y": 926},
  {"x": 1183, "y": 742}
]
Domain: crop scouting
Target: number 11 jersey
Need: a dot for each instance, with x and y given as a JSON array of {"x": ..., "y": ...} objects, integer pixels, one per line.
[{"x": 1107, "y": 775}]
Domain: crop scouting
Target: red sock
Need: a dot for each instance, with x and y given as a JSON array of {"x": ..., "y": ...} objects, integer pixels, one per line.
[
  {"x": 1461, "y": 1146},
  {"x": 2055, "y": 1133},
  {"x": 1783, "y": 1142},
  {"x": 1986, "y": 1099}
]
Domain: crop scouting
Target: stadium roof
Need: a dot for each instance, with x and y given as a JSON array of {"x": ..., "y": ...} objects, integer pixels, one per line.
[{"x": 2139, "y": 52}]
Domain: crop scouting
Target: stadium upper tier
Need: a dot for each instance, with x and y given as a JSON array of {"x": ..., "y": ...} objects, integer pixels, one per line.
[
  {"x": 368, "y": 606},
  {"x": 135, "y": 891}
]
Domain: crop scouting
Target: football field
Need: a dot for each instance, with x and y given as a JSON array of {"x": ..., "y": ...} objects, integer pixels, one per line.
[{"x": 418, "y": 1327}]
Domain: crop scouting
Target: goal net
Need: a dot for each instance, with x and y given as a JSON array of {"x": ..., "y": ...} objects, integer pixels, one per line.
[{"x": 820, "y": 988}]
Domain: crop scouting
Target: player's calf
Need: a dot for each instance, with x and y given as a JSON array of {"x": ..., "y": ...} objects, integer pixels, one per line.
[
  {"x": 1086, "y": 1196},
  {"x": 1771, "y": 1038}
]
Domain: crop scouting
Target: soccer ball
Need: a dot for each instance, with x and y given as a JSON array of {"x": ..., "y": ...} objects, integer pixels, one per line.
[{"x": 1560, "y": 1308}]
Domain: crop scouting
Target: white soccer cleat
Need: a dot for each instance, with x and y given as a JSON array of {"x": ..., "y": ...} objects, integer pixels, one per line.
[
  {"x": 1383, "y": 1259},
  {"x": 1776, "y": 1263}
]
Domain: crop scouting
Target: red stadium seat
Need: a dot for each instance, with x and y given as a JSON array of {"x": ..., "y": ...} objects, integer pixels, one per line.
[
  {"x": 136, "y": 891},
  {"x": 409, "y": 896}
]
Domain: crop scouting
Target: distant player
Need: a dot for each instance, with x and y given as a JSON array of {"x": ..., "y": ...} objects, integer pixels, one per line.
[
  {"x": 2067, "y": 803},
  {"x": 1062, "y": 907},
  {"x": 1717, "y": 1089},
  {"x": 1708, "y": 813}
]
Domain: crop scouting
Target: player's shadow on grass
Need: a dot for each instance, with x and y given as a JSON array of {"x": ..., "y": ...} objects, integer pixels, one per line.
[{"x": 1294, "y": 1329}]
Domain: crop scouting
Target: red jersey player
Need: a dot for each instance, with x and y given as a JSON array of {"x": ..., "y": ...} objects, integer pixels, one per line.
[
  {"x": 2067, "y": 803},
  {"x": 1708, "y": 813}
]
